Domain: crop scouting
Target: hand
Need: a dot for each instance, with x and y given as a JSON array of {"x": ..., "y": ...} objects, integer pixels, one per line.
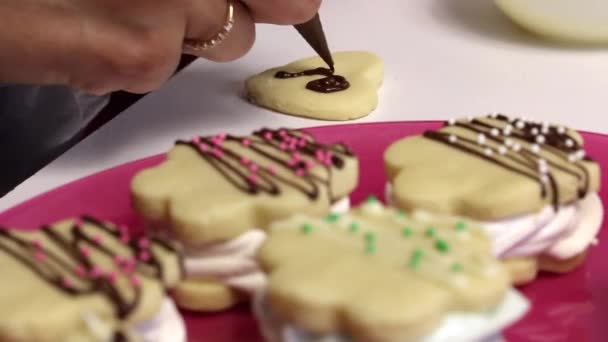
[{"x": 101, "y": 46}]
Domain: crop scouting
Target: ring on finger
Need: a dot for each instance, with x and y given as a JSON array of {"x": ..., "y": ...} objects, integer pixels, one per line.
[{"x": 218, "y": 38}]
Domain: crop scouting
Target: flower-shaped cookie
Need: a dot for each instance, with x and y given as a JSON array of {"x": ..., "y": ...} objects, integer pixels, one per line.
[
  {"x": 377, "y": 274},
  {"x": 216, "y": 188}
]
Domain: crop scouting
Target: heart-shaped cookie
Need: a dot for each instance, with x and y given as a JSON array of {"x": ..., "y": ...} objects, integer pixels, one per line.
[{"x": 363, "y": 70}]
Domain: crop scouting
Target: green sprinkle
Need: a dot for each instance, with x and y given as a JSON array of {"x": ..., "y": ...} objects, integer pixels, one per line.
[
  {"x": 416, "y": 258},
  {"x": 371, "y": 199},
  {"x": 442, "y": 246},
  {"x": 306, "y": 228},
  {"x": 430, "y": 232},
  {"x": 332, "y": 217},
  {"x": 401, "y": 213},
  {"x": 456, "y": 267},
  {"x": 353, "y": 227},
  {"x": 370, "y": 248},
  {"x": 407, "y": 232},
  {"x": 461, "y": 226},
  {"x": 370, "y": 237}
]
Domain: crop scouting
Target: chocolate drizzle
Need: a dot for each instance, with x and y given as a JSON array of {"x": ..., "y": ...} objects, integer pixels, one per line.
[
  {"x": 329, "y": 84},
  {"x": 291, "y": 155},
  {"x": 503, "y": 134},
  {"x": 63, "y": 260}
]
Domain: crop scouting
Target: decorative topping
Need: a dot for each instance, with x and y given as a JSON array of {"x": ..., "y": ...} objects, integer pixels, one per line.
[
  {"x": 290, "y": 150},
  {"x": 456, "y": 267},
  {"x": 481, "y": 138},
  {"x": 561, "y": 130},
  {"x": 461, "y": 226},
  {"x": 306, "y": 228},
  {"x": 328, "y": 84},
  {"x": 452, "y": 138},
  {"x": 494, "y": 132},
  {"x": 370, "y": 242},
  {"x": 332, "y": 217},
  {"x": 430, "y": 232},
  {"x": 488, "y": 152},
  {"x": 371, "y": 199},
  {"x": 442, "y": 246},
  {"x": 502, "y": 150},
  {"x": 353, "y": 227},
  {"x": 416, "y": 258},
  {"x": 451, "y": 122},
  {"x": 535, "y": 149},
  {"x": 569, "y": 143},
  {"x": 407, "y": 232},
  {"x": 540, "y": 139}
]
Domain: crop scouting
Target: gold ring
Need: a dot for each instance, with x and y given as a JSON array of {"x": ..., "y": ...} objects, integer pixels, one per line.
[{"x": 218, "y": 38}]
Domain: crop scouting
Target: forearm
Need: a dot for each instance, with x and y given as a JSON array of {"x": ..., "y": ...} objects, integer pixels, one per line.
[{"x": 37, "y": 41}]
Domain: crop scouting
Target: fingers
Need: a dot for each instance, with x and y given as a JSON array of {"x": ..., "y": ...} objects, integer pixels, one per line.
[
  {"x": 282, "y": 12},
  {"x": 207, "y": 19}
]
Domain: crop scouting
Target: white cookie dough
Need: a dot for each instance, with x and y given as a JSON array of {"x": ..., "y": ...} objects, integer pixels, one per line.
[{"x": 363, "y": 70}]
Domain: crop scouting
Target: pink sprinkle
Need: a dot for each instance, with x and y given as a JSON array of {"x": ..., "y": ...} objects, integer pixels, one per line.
[
  {"x": 253, "y": 178},
  {"x": 246, "y": 142},
  {"x": 124, "y": 237},
  {"x": 327, "y": 162},
  {"x": 297, "y": 156},
  {"x": 218, "y": 152},
  {"x": 112, "y": 277},
  {"x": 283, "y": 146},
  {"x": 67, "y": 283},
  {"x": 292, "y": 162},
  {"x": 144, "y": 256},
  {"x": 118, "y": 260},
  {"x": 85, "y": 251},
  {"x": 129, "y": 265},
  {"x": 78, "y": 223},
  {"x": 37, "y": 243},
  {"x": 320, "y": 155},
  {"x": 203, "y": 147},
  {"x": 222, "y": 136},
  {"x": 268, "y": 135},
  {"x": 310, "y": 163},
  {"x": 217, "y": 141},
  {"x": 39, "y": 256},
  {"x": 253, "y": 167},
  {"x": 196, "y": 140},
  {"x": 96, "y": 272},
  {"x": 97, "y": 239},
  {"x": 283, "y": 133},
  {"x": 144, "y": 243},
  {"x": 293, "y": 145},
  {"x": 300, "y": 172},
  {"x": 271, "y": 170},
  {"x": 303, "y": 142},
  {"x": 81, "y": 271},
  {"x": 135, "y": 281},
  {"x": 245, "y": 160}
]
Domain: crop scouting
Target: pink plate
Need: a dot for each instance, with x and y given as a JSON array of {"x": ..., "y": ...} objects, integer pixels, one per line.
[{"x": 573, "y": 307}]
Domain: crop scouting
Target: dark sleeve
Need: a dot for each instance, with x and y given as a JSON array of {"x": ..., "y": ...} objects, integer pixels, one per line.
[{"x": 36, "y": 124}]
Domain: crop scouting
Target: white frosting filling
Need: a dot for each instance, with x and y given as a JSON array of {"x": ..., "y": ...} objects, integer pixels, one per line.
[
  {"x": 562, "y": 234},
  {"x": 166, "y": 326},
  {"x": 456, "y": 326},
  {"x": 233, "y": 262}
]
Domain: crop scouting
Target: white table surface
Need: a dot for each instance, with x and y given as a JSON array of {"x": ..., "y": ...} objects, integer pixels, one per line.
[{"x": 444, "y": 58}]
